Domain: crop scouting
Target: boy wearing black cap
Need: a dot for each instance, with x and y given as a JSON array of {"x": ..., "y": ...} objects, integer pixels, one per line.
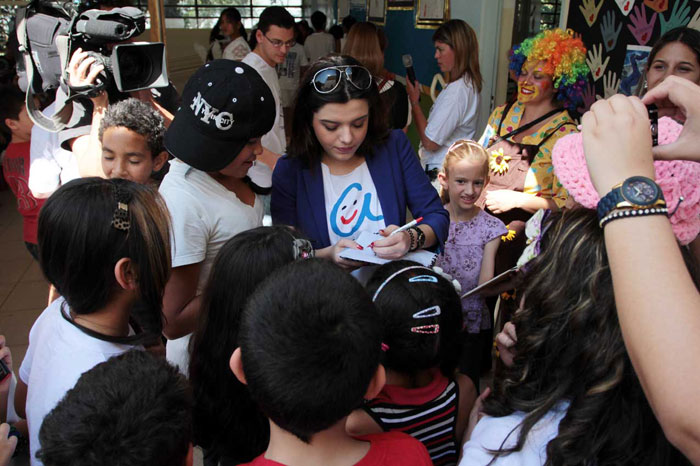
[{"x": 215, "y": 138}]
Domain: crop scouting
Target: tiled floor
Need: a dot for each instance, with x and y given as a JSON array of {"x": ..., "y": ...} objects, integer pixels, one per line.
[{"x": 23, "y": 289}]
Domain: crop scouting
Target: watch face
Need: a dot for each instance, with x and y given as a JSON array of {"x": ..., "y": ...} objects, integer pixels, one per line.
[{"x": 640, "y": 191}]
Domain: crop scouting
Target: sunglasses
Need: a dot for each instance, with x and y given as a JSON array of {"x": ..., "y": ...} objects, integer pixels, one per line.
[{"x": 328, "y": 79}]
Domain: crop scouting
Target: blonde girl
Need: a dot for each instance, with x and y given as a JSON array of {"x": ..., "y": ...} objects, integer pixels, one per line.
[{"x": 470, "y": 250}]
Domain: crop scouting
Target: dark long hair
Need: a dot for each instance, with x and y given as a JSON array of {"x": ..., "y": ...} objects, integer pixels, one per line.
[
  {"x": 226, "y": 420},
  {"x": 570, "y": 348},
  {"x": 304, "y": 144},
  {"x": 234, "y": 16}
]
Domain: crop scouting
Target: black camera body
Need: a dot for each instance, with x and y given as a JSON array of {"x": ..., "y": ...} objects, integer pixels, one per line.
[{"x": 48, "y": 35}]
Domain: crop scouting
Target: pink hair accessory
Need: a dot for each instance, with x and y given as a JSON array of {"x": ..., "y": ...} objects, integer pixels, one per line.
[
  {"x": 677, "y": 179},
  {"x": 385, "y": 347},
  {"x": 428, "y": 329}
]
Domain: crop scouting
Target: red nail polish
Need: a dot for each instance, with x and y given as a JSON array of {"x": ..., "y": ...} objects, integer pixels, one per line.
[
  {"x": 360, "y": 247},
  {"x": 371, "y": 245}
]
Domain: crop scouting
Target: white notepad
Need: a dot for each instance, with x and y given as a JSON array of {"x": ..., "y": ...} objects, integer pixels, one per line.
[{"x": 422, "y": 256}]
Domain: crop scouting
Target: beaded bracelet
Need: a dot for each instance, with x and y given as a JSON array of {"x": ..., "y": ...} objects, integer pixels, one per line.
[
  {"x": 420, "y": 238},
  {"x": 615, "y": 214},
  {"x": 412, "y": 240}
]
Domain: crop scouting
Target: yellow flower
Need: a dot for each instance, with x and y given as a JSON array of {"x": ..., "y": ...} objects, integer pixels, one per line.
[
  {"x": 499, "y": 161},
  {"x": 508, "y": 236}
]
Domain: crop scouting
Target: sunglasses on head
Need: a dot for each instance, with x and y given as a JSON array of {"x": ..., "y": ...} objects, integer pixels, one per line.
[{"x": 328, "y": 79}]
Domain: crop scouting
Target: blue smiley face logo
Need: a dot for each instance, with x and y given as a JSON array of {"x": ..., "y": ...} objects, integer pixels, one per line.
[{"x": 350, "y": 211}]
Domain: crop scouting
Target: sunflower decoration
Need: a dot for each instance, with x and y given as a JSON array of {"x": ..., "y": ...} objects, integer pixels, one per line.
[
  {"x": 498, "y": 162},
  {"x": 508, "y": 236}
]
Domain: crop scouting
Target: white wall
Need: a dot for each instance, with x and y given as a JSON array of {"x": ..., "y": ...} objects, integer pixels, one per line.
[{"x": 484, "y": 16}]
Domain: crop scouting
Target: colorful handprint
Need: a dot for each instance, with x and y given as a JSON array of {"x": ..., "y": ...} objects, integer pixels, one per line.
[
  {"x": 609, "y": 32},
  {"x": 640, "y": 28},
  {"x": 625, "y": 6},
  {"x": 611, "y": 84},
  {"x": 695, "y": 20},
  {"x": 595, "y": 61},
  {"x": 658, "y": 6},
  {"x": 590, "y": 9},
  {"x": 680, "y": 16},
  {"x": 589, "y": 98}
]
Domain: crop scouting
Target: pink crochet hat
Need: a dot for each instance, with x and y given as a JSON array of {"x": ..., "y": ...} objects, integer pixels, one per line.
[{"x": 676, "y": 179}]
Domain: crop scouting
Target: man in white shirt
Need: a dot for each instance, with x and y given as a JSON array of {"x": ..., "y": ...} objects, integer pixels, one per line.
[
  {"x": 275, "y": 36},
  {"x": 320, "y": 43}
]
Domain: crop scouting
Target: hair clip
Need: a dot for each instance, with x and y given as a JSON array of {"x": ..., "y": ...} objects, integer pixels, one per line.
[
  {"x": 385, "y": 347},
  {"x": 120, "y": 219},
  {"x": 423, "y": 278},
  {"x": 302, "y": 249},
  {"x": 431, "y": 311},
  {"x": 427, "y": 329}
]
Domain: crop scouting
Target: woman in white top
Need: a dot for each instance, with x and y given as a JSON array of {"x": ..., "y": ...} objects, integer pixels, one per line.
[
  {"x": 455, "y": 112},
  {"x": 230, "y": 26}
]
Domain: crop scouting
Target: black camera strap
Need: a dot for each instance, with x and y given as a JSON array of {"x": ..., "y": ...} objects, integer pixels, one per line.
[{"x": 64, "y": 110}]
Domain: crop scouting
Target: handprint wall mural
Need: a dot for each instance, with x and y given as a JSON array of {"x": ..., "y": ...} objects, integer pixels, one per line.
[{"x": 619, "y": 34}]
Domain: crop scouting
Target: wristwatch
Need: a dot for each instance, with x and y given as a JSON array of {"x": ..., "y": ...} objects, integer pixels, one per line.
[{"x": 637, "y": 192}]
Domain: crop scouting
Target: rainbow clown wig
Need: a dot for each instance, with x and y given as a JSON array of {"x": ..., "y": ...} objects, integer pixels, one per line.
[{"x": 565, "y": 60}]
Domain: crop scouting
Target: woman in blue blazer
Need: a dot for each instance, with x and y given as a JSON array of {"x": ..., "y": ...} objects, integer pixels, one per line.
[{"x": 344, "y": 173}]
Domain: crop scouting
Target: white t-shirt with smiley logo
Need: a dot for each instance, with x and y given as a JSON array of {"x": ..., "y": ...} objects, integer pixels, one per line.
[{"x": 352, "y": 205}]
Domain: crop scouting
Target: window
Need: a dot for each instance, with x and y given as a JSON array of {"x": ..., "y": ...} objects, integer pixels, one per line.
[
  {"x": 203, "y": 14},
  {"x": 533, "y": 16}
]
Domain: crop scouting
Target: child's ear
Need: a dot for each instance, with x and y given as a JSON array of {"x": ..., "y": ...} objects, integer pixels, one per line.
[
  {"x": 125, "y": 274},
  {"x": 159, "y": 160},
  {"x": 376, "y": 384},
  {"x": 12, "y": 124},
  {"x": 236, "y": 363},
  {"x": 442, "y": 178}
]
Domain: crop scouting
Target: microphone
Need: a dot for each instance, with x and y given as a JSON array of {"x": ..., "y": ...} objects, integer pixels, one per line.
[{"x": 408, "y": 64}]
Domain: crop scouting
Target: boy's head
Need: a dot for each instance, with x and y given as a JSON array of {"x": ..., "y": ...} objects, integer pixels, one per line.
[
  {"x": 318, "y": 21},
  {"x": 133, "y": 409},
  {"x": 14, "y": 119},
  {"x": 275, "y": 35},
  {"x": 131, "y": 134},
  {"x": 310, "y": 343}
]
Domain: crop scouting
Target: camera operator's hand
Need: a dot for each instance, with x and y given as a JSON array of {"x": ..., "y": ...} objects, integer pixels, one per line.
[
  {"x": 680, "y": 99},
  {"x": 82, "y": 71}
]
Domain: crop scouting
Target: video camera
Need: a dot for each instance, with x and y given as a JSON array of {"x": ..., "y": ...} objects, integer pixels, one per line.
[{"x": 48, "y": 35}]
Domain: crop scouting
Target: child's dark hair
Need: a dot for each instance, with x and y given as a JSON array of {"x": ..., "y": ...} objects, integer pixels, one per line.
[
  {"x": 140, "y": 118},
  {"x": 419, "y": 335},
  {"x": 80, "y": 242},
  {"x": 304, "y": 145},
  {"x": 570, "y": 348},
  {"x": 310, "y": 343},
  {"x": 132, "y": 409},
  {"x": 11, "y": 102},
  {"x": 226, "y": 420},
  {"x": 318, "y": 20},
  {"x": 275, "y": 16}
]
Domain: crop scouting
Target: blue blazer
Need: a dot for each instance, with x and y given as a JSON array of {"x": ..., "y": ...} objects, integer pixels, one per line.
[{"x": 298, "y": 200}]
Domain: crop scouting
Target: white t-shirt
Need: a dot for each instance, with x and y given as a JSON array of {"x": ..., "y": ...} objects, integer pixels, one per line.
[
  {"x": 454, "y": 116},
  {"x": 352, "y": 204},
  {"x": 58, "y": 354},
  {"x": 237, "y": 49},
  {"x": 50, "y": 166},
  {"x": 275, "y": 140},
  {"x": 490, "y": 433},
  {"x": 319, "y": 44},
  {"x": 289, "y": 73},
  {"x": 204, "y": 216}
]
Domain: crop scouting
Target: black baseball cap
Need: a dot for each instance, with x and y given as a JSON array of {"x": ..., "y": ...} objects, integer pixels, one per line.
[{"x": 224, "y": 104}]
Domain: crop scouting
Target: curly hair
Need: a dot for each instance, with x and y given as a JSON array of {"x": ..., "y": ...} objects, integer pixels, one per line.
[
  {"x": 570, "y": 348},
  {"x": 140, "y": 118},
  {"x": 565, "y": 60}
]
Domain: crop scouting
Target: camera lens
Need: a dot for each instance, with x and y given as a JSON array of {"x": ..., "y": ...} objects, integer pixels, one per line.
[{"x": 135, "y": 67}]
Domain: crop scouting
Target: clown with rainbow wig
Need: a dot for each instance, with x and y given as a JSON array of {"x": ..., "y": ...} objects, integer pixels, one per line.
[{"x": 551, "y": 72}]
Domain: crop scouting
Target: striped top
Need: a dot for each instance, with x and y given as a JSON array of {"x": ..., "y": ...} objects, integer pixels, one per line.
[{"x": 428, "y": 413}]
